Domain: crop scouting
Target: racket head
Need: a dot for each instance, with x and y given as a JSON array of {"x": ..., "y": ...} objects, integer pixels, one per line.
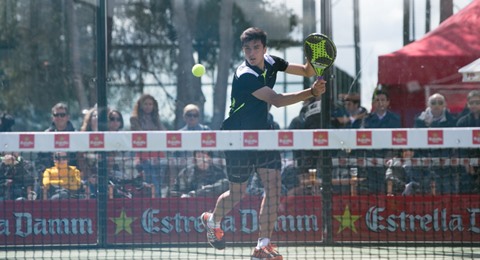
[{"x": 320, "y": 51}]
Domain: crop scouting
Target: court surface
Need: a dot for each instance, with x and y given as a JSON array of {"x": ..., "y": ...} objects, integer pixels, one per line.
[{"x": 318, "y": 252}]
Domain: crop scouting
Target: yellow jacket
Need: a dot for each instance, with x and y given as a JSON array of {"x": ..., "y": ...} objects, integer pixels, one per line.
[{"x": 67, "y": 177}]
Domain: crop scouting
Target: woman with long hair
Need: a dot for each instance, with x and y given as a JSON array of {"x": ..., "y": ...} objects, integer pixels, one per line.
[{"x": 146, "y": 117}]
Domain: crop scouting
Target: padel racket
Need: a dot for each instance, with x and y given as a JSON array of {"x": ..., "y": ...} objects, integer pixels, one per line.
[{"x": 320, "y": 52}]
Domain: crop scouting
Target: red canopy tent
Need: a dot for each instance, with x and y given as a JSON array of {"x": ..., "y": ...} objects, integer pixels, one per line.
[{"x": 431, "y": 61}]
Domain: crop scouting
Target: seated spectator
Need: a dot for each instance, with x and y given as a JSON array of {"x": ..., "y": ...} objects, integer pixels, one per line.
[
  {"x": 436, "y": 114},
  {"x": 381, "y": 116},
  {"x": 402, "y": 177},
  {"x": 351, "y": 115},
  {"x": 62, "y": 181},
  {"x": 16, "y": 178},
  {"x": 203, "y": 179},
  {"x": 191, "y": 115}
]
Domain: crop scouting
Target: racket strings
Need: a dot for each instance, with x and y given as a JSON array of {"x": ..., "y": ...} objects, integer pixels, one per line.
[{"x": 320, "y": 53}]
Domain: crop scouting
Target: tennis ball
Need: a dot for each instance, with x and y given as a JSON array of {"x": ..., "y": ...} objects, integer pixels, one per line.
[{"x": 198, "y": 70}]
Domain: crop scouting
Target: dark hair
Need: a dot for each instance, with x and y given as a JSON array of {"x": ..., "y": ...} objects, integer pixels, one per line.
[
  {"x": 381, "y": 92},
  {"x": 6, "y": 122},
  {"x": 111, "y": 112},
  {"x": 254, "y": 33}
]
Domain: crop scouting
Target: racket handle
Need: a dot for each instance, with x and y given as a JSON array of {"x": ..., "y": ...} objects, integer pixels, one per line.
[{"x": 319, "y": 77}]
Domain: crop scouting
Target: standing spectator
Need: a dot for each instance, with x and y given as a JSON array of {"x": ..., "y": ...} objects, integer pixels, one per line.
[
  {"x": 191, "y": 115},
  {"x": 203, "y": 179},
  {"x": 60, "y": 123},
  {"x": 436, "y": 115},
  {"x": 471, "y": 175},
  {"x": 146, "y": 117},
  {"x": 16, "y": 178},
  {"x": 124, "y": 178},
  {"x": 88, "y": 161},
  {"x": 380, "y": 117},
  {"x": 62, "y": 181}
]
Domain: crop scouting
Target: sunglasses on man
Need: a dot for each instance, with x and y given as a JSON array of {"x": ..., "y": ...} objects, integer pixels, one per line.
[{"x": 62, "y": 115}]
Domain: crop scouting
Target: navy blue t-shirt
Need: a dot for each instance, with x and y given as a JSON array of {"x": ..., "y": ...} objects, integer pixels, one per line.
[{"x": 246, "y": 111}]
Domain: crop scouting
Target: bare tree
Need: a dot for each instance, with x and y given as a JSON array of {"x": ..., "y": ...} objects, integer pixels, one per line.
[
  {"x": 77, "y": 78},
  {"x": 226, "y": 49},
  {"x": 188, "y": 87}
]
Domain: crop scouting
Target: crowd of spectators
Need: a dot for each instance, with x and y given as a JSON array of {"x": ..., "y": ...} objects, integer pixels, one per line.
[{"x": 62, "y": 175}]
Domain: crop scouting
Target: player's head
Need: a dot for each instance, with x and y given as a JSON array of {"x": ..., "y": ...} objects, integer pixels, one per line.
[
  {"x": 254, "y": 33},
  {"x": 254, "y": 41}
]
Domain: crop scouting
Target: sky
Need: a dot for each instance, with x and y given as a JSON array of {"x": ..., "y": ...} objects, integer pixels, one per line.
[{"x": 381, "y": 23}]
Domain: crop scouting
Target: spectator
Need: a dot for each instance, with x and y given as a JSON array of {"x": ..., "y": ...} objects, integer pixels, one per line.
[
  {"x": 402, "y": 177},
  {"x": 203, "y": 179},
  {"x": 354, "y": 113},
  {"x": 436, "y": 115},
  {"x": 191, "y": 115},
  {"x": 125, "y": 178},
  {"x": 471, "y": 176},
  {"x": 62, "y": 181},
  {"x": 16, "y": 178},
  {"x": 115, "y": 120},
  {"x": 472, "y": 118},
  {"x": 88, "y": 161},
  {"x": 90, "y": 120},
  {"x": 146, "y": 117},
  {"x": 381, "y": 116},
  {"x": 60, "y": 123},
  {"x": 60, "y": 119},
  {"x": 6, "y": 122}
]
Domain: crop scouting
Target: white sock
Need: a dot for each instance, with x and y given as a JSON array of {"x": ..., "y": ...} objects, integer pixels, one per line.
[
  {"x": 263, "y": 241},
  {"x": 211, "y": 223}
]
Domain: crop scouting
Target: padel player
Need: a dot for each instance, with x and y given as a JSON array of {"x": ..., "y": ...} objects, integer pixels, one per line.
[{"x": 252, "y": 92}]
